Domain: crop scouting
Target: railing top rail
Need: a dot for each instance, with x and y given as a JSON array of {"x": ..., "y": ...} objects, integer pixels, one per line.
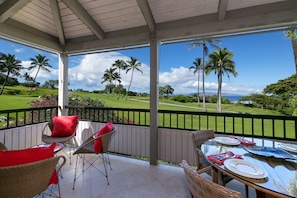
[{"x": 27, "y": 109}]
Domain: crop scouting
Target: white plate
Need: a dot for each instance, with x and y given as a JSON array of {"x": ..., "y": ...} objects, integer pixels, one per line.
[
  {"x": 245, "y": 168},
  {"x": 227, "y": 140},
  {"x": 289, "y": 147}
]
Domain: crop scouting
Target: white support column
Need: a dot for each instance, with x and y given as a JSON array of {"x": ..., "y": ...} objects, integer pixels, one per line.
[
  {"x": 154, "y": 99},
  {"x": 63, "y": 84}
]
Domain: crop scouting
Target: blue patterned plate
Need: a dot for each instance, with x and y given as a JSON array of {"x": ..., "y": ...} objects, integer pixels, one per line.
[{"x": 270, "y": 152}]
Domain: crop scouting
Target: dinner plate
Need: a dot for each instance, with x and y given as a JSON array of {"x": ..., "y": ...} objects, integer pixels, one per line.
[
  {"x": 227, "y": 140},
  {"x": 289, "y": 147},
  {"x": 246, "y": 169}
]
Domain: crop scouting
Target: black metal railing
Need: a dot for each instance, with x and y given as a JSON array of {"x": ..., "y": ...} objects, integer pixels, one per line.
[
  {"x": 250, "y": 125},
  {"x": 28, "y": 116}
]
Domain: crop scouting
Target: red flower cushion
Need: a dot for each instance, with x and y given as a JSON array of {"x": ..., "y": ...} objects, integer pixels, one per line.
[
  {"x": 98, "y": 143},
  {"x": 64, "y": 125},
  {"x": 16, "y": 157}
]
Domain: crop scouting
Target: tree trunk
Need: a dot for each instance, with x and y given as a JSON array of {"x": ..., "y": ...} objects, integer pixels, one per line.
[
  {"x": 203, "y": 70},
  {"x": 4, "y": 84},
  {"x": 219, "y": 106},
  {"x": 34, "y": 80},
  {"x": 129, "y": 84},
  {"x": 294, "y": 45},
  {"x": 198, "y": 98},
  {"x": 119, "y": 91}
]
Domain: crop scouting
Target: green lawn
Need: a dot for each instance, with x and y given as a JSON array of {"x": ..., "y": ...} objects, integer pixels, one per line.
[{"x": 22, "y": 99}]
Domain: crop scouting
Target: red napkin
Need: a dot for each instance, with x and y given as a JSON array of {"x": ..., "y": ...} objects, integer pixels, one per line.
[
  {"x": 221, "y": 157},
  {"x": 243, "y": 141}
]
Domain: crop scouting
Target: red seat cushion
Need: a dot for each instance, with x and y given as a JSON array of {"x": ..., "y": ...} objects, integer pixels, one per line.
[
  {"x": 23, "y": 156},
  {"x": 103, "y": 130},
  {"x": 64, "y": 125}
]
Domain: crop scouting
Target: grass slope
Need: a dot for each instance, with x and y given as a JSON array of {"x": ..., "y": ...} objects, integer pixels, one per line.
[{"x": 21, "y": 99}]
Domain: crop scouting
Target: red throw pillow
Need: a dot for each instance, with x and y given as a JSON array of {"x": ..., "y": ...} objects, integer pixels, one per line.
[
  {"x": 16, "y": 157},
  {"x": 64, "y": 125},
  {"x": 98, "y": 143}
]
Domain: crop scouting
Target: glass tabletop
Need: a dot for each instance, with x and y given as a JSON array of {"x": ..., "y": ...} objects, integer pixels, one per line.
[{"x": 281, "y": 172}]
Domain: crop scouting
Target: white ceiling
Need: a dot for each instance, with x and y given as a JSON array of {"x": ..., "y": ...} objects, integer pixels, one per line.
[{"x": 78, "y": 26}]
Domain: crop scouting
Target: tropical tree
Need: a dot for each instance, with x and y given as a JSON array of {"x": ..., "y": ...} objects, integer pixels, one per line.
[
  {"x": 197, "y": 67},
  {"x": 120, "y": 89},
  {"x": 109, "y": 76},
  {"x": 203, "y": 43},
  {"x": 132, "y": 64},
  {"x": 51, "y": 84},
  {"x": 291, "y": 34},
  {"x": 41, "y": 63},
  {"x": 28, "y": 79},
  {"x": 168, "y": 90},
  {"x": 293, "y": 105},
  {"x": 284, "y": 88},
  {"x": 9, "y": 64},
  {"x": 161, "y": 91},
  {"x": 120, "y": 65},
  {"x": 220, "y": 62}
]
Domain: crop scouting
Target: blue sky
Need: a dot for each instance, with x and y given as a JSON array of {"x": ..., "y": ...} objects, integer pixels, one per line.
[{"x": 260, "y": 59}]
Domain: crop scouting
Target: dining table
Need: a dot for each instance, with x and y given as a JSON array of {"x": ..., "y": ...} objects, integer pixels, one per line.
[{"x": 268, "y": 166}]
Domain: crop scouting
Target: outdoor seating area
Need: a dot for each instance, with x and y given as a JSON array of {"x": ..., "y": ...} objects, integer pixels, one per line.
[
  {"x": 131, "y": 178},
  {"x": 131, "y": 173},
  {"x": 128, "y": 177},
  {"x": 149, "y": 152}
]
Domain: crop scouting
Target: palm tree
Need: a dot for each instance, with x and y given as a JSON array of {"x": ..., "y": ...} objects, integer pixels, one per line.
[
  {"x": 203, "y": 42},
  {"x": 132, "y": 64},
  {"x": 41, "y": 62},
  {"x": 120, "y": 65},
  {"x": 291, "y": 34},
  {"x": 28, "y": 78},
  {"x": 220, "y": 62},
  {"x": 10, "y": 65},
  {"x": 197, "y": 67},
  {"x": 109, "y": 76}
]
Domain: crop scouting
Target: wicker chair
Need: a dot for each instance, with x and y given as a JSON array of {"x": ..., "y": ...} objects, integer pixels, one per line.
[
  {"x": 28, "y": 180},
  {"x": 48, "y": 139},
  {"x": 2, "y": 147},
  {"x": 87, "y": 147},
  {"x": 201, "y": 187},
  {"x": 199, "y": 137}
]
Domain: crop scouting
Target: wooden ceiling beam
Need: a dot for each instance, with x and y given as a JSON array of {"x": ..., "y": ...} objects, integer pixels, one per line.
[
  {"x": 57, "y": 17},
  {"x": 10, "y": 7},
  {"x": 85, "y": 17},
  {"x": 147, "y": 14}
]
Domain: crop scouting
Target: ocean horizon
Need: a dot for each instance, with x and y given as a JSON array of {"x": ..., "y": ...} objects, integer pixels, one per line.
[{"x": 233, "y": 98}]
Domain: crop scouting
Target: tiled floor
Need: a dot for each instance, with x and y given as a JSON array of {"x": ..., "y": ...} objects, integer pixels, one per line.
[{"x": 130, "y": 178}]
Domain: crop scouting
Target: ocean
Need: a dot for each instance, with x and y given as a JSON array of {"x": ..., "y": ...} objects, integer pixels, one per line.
[{"x": 233, "y": 98}]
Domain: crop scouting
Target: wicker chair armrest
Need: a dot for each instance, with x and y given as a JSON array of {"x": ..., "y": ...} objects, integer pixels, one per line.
[
  {"x": 49, "y": 125},
  {"x": 99, "y": 137},
  {"x": 91, "y": 140},
  {"x": 205, "y": 170}
]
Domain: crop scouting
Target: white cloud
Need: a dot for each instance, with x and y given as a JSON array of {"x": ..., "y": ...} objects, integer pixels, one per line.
[
  {"x": 88, "y": 70},
  {"x": 18, "y": 50}
]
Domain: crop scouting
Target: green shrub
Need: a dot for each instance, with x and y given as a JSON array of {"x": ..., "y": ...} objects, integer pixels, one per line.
[{"x": 183, "y": 99}]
